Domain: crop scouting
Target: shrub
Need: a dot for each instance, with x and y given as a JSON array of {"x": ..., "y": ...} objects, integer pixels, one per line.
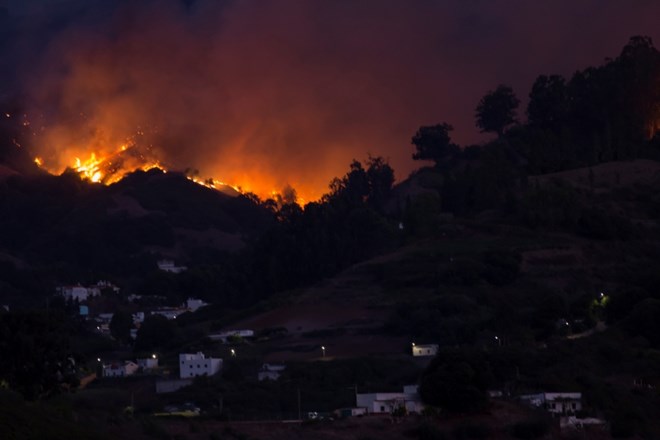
[
  {"x": 471, "y": 430},
  {"x": 530, "y": 429},
  {"x": 427, "y": 431}
]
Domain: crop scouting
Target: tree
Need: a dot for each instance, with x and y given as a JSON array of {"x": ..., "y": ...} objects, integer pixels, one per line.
[
  {"x": 381, "y": 178},
  {"x": 35, "y": 354},
  {"x": 120, "y": 326},
  {"x": 548, "y": 101},
  {"x": 434, "y": 143},
  {"x": 456, "y": 383},
  {"x": 156, "y": 332},
  {"x": 497, "y": 110}
]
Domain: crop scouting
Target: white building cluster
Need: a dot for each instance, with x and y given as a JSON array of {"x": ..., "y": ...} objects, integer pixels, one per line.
[{"x": 81, "y": 293}]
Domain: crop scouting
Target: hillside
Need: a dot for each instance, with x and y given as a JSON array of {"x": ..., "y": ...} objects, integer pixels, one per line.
[{"x": 62, "y": 227}]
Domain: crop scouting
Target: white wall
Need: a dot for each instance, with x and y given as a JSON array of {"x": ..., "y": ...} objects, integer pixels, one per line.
[{"x": 191, "y": 365}]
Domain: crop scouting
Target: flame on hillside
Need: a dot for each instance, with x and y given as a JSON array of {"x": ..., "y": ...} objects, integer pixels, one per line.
[{"x": 109, "y": 168}]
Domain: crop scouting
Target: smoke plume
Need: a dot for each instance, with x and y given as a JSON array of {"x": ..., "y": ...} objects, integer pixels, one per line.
[{"x": 264, "y": 94}]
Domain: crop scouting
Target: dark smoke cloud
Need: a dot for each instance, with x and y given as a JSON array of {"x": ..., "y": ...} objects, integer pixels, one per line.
[{"x": 274, "y": 92}]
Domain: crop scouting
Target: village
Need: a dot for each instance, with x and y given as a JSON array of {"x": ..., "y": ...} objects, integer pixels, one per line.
[{"x": 168, "y": 373}]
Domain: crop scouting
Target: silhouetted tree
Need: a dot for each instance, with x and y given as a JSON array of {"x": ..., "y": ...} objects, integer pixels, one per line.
[
  {"x": 548, "y": 101},
  {"x": 120, "y": 326},
  {"x": 381, "y": 178},
  {"x": 156, "y": 332},
  {"x": 497, "y": 110},
  {"x": 35, "y": 355},
  {"x": 456, "y": 383},
  {"x": 434, "y": 143}
]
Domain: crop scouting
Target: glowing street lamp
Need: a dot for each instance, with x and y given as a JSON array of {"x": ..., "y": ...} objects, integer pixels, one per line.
[
  {"x": 153, "y": 356},
  {"x": 233, "y": 352},
  {"x": 323, "y": 350}
]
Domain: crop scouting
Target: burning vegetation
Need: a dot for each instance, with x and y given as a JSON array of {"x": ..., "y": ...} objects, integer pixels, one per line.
[{"x": 110, "y": 165}]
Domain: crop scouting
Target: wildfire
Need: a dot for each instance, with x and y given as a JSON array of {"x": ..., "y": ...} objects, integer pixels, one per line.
[
  {"x": 110, "y": 168},
  {"x": 97, "y": 163}
]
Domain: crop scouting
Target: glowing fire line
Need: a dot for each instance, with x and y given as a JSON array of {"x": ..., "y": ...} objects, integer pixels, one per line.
[{"x": 95, "y": 169}]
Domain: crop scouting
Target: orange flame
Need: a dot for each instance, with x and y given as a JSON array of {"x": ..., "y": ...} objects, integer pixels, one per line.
[
  {"x": 111, "y": 168},
  {"x": 94, "y": 159}
]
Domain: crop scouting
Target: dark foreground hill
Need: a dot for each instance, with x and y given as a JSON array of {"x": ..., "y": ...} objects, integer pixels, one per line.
[{"x": 69, "y": 230}]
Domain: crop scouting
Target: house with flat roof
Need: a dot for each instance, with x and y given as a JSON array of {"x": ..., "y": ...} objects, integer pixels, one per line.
[
  {"x": 424, "y": 349},
  {"x": 387, "y": 403},
  {"x": 555, "y": 403},
  {"x": 120, "y": 369},
  {"x": 197, "y": 364}
]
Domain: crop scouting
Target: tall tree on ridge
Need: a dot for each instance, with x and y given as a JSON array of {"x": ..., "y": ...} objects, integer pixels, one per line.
[{"x": 497, "y": 110}]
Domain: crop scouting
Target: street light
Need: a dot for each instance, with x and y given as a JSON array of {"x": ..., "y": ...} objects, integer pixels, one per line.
[
  {"x": 233, "y": 352},
  {"x": 323, "y": 350},
  {"x": 153, "y": 356}
]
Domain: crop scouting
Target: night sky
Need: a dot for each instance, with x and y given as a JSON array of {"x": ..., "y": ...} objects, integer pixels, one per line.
[{"x": 274, "y": 92}]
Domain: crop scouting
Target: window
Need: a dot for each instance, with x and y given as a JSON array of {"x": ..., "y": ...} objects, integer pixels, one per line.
[{"x": 382, "y": 409}]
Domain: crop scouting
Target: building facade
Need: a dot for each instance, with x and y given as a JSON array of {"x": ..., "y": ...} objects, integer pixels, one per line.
[{"x": 191, "y": 365}]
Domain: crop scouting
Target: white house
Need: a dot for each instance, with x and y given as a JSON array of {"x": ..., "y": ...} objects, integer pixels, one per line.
[
  {"x": 563, "y": 403},
  {"x": 380, "y": 403},
  {"x": 105, "y": 285},
  {"x": 270, "y": 372},
  {"x": 169, "y": 312},
  {"x": 168, "y": 266},
  {"x": 424, "y": 349},
  {"x": 138, "y": 318},
  {"x": 556, "y": 403},
  {"x": 192, "y": 304},
  {"x": 104, "y": 318},
  {"x": 148, "y": 363},
  {"x": 224, "y": 336},
  {"x": 191, "y": 365},
  {"x": 117, "y": 369},
  {"x": 76, "y": 293},
  {"x": 81, "y": 293},
  {"x": 133, "y": 298}
]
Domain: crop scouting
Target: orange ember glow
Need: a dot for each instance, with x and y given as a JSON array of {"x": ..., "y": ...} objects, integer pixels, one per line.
[
  {"x": 104, "y": 168},
  {"x": 108, "y": 168}
]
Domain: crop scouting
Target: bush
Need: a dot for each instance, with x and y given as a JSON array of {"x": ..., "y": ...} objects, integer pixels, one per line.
[
  {"x": 471, "y": 430},
  {"x": 622, "y": 427},
  {"x": 502, "y": 267},
  {"x": 428, "y": 431},
  {"x": 530, "y": 429}
]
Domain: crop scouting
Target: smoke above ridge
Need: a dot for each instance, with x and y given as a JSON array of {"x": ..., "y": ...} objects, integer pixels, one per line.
[{"x": 261, "y": 94}]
